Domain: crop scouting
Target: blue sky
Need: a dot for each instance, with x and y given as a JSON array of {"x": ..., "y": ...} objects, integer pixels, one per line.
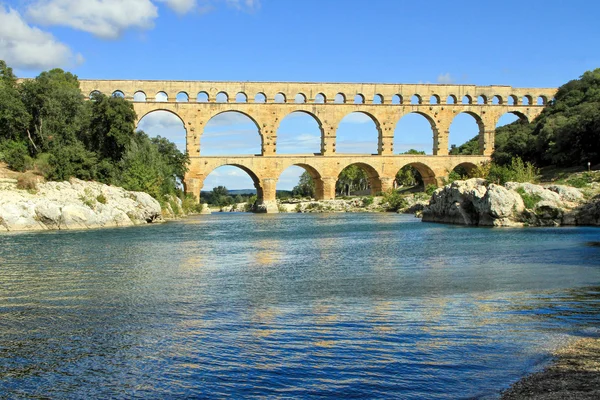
[{"x": 528, "y": 44}]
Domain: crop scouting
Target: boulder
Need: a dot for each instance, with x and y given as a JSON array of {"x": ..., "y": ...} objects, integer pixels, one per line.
[
  {"x": 567, "y": 193},
  {"x": 74, "y": 205},
  {"x": 474, "y": 202}
]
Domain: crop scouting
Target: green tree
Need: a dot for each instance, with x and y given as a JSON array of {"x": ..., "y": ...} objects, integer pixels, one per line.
[
  {"x": 305, "y": 186},
  {"x": 14, "y": 118},
  {"x": 408, "y": 175},
  {"x": 57, "y": 109},
  {"x": 566, "y": 133},
  {"x": 352, "y": 178},
  {"x": 470, "y": 147},
  {"x": 111, "y": 126}
]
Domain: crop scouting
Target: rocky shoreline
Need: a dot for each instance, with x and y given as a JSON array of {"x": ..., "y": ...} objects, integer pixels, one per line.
[
  {"x": 476, "y": 202},
  {"x": 574, "y": 374},
  {"x": 73, "y": 205}
]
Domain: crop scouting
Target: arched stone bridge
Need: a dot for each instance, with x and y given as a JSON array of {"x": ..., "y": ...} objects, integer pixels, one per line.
[{"x": 268, "y": 103}]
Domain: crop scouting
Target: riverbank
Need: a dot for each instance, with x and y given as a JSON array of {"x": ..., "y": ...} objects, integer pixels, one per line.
[
  {"x": 409, "y": 203},
  {"x": 477, "y": 202},
  {"x": 29, "y": 204},
  {"x": 574, "y": 374}
]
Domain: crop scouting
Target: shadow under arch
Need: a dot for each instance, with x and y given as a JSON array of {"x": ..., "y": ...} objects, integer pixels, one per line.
[
  {"x": 372, "y": 176},
  {"x": 464, "y": 169},
  {"x": 377, "y": 128},
  {"x": 304, "y": 113},
  {"x": 427, "y": 175}
]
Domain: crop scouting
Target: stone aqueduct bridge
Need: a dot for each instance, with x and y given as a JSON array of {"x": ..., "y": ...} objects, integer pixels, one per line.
[{"x": 267, "y": 103}]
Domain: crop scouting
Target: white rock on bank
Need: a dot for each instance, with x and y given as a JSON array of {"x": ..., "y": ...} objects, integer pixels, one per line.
[
  {"x": 477, "y": 202},
  {"x": 74, "y": 205}
]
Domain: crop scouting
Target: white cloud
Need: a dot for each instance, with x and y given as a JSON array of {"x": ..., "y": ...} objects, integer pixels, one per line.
[
  {"x": 446, "y": 78},
  {"x": 180, "y": 6},
  {"x": 107, "y": 19},
  {"x": 161, "y": 119},
  {"x": 26, "y": 47},
  {"x": 244, "y": 5}
]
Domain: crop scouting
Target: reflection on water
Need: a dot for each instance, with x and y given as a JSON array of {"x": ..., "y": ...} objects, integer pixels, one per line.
[{"x": 375, "y": 305}]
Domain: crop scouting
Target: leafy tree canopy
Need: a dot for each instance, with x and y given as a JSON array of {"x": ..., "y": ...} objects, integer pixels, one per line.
[{"x": 46, "y": 123}]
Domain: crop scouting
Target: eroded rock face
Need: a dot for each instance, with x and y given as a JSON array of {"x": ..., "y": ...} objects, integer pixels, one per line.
[
  {"x": 477, "y": 202},
  {"x": 474, "y": 202},
  {"x": 588, "y": 213},
  {"x": 74, "y": 205}
]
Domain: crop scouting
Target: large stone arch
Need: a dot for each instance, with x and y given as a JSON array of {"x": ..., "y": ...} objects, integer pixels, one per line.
[
  {"x": 373, "y": 175},
  {"x": 517, "y": 113},
  {"x": 305, "y": 111},
  {"x": 468, "y": 166},
  {"x": 429, "y": 118},
  {"x": 321, "y": 188},
  {"x": 225, "y": 110},
  {"x": 427, "y": 174},
  {"x": 480, "y": 125},
  {"x": 253, "y": 175},
  {"x": 342, "y": 114},
  {"x": 148, "y": 112}
]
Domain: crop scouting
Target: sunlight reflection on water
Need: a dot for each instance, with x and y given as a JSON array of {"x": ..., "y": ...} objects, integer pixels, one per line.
[{"x": 326, "y": 305}]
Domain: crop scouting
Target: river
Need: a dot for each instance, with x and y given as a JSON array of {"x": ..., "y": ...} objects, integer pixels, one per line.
[{"x": 290, "y": 306}]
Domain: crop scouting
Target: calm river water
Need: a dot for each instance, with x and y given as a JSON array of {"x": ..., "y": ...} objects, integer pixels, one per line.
[{"x": 290, "y": 306}]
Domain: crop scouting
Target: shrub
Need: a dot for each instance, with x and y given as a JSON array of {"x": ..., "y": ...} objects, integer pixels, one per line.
[
  {"x": 367, "y": 201},
  {"x": 393, "y": 201},
  {"x": 87, "y": 201},
  {"x": 578, "y": 182},
  {"x": 430, "y": 189},
  {"x": 41, "y": 164},
  {"x": 27, "y": 181},
  {"x": 101, "y": 198},
  {"x": 529, "y": 199},
  {"x": 517, "y": 171},
  {"x": 16, "y": 155},
  {"x": 190, "y": 205},
  {"x": 481, "y": 171},
  {"x": 249, "y": 206},
  {"x": 175, "y": 206}
]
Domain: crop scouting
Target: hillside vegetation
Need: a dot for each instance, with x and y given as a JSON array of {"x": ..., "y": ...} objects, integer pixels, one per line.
[{"x": 47, "y": 126}]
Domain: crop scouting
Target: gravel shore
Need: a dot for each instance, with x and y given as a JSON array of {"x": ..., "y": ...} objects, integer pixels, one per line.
[{"x": 574, "y": 374}]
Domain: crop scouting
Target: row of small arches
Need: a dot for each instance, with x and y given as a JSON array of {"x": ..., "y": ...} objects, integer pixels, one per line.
[{"x": 340, "y": 98}]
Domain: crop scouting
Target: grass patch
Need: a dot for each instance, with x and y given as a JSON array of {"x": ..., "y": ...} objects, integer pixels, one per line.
[
  {"x": 27, "y": 182},
  {"x": 529, "y": 199}
]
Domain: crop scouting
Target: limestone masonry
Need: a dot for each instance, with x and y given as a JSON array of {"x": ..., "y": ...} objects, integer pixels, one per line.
[{"x": 268, "y": 103}]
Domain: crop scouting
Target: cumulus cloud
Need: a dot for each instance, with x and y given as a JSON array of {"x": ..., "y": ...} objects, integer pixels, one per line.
[
  {"x": 180, "y": 6},
  {"x": 26, "y": 47},
  {"x": 107, "y": 19},
  {"x": 445, "y": 78}
]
